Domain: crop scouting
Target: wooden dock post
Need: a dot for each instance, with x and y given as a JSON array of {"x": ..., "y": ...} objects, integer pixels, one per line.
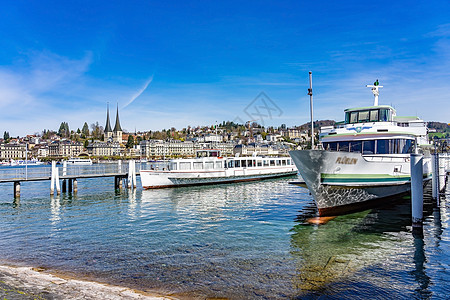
[
  {"x": 130, "y": 177},
  {"x": 435, "y": 176},
  {"x": 134, "y": 173},
  {"x": 64, "y": 182},
  {"x": 70, "y": 185},
  {"x": 75, "y": 186},
  {"x": 16, "y": 189},
  {"x": 416, "y": 164},
  {"x": 119, "y": 166},
  {"x": 131, "y": 181},
  {"x": 52, "y": 180},
  {"x": 118, "y": 182}
]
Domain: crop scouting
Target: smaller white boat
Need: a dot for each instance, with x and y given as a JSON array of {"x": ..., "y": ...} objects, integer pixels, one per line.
[
  {"x": 79, "y": 161},
  {"x": 31, "y": 162},
  {"x": 210, "y": 168}
]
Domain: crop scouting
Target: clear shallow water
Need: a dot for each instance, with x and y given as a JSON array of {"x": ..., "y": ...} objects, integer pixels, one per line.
[{"x": 241, "y": 241}]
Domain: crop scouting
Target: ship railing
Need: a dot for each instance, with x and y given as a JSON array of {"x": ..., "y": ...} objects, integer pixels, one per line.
[{"x": 23, "y": 173}]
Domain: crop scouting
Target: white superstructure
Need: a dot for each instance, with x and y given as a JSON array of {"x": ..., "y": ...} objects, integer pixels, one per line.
[
  {"x": 210, "y": 168},
  {"x": 78, "y": 161}
]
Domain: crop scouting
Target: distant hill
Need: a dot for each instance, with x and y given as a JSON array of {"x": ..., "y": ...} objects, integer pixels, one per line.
[
  {"x": 317, "y": 124},
  {"x": 440, "y": 127}
]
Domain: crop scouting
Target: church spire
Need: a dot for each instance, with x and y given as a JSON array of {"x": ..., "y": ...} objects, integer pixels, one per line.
[
  {"x": 117, "y": 126},
  {"x": 108, "y": 125}
]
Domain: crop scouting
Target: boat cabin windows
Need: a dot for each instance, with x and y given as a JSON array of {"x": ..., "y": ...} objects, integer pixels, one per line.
[
  {"x": 209, "y": 165},
  {"x": 382, "y": 146},
  {"x": 198, "y": 165},
  {"x": 185, "y": 165},
  {"x": 368, "y": 147},
  {"x": 368, "y": 115},
  {"x": 208, "y": 153}
]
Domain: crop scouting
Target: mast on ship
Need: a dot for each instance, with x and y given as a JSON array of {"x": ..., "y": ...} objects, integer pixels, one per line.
[{"x": 376, "y": 85}]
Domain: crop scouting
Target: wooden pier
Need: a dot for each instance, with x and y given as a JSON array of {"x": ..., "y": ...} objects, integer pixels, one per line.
[{"x": 69, "y": 182}]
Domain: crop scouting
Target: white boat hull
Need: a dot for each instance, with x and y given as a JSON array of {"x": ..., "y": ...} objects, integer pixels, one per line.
[
  {"x": 345, "y": 181},
  {"x": 163, "y": 179}
]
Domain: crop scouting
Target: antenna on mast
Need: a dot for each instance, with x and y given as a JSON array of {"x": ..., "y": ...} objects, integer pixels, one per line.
[
  {"x": 310, "y": 93},
  {"x": 376, "y": 85}
]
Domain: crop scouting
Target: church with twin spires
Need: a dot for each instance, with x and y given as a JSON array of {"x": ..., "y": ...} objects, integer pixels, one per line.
[{"x": 114, "y": 135}]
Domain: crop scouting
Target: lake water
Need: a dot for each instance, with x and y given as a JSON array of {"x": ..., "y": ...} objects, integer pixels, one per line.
[{"x": 237, "y": 241}]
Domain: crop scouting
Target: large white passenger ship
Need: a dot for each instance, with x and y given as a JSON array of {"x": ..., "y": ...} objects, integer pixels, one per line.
[
  {"x": 364, "y": 158},
  {"x": 210, "y": 168}
]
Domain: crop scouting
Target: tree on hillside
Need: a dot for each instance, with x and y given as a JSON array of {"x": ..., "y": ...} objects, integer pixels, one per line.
[
  {"x": 6, "y": 136},
  {"x": 130, "y": 142},
  {"x": 64, "y": 130},
  {"x": 85, "y": 130},
  {"x": 97, "y": 130}
]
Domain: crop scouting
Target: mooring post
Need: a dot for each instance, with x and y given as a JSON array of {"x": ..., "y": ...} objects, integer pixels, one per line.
[
  {"x": 130, "y": 177},
  {"x": 52, "y": 180},
  {"x": 134, "y": 173},
  {"x": 119, "y": 166},
  {"x": 442, "y": 174},
  {"x": 75, "y": 186},
  {"x": 64, "y": 167},
  {"x": 417, "y": 191},
  {"x": 58, "y": 188},
  {"x": 64, "y": 181},
  {"x": 434, "y": 176},
  {"x": 70, "y": 185},
  {"x": 16, "y": 189}
]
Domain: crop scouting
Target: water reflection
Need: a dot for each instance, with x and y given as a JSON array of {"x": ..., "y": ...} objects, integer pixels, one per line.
[
  {"x": 332, "y": 253},
  {"x": 55, "y": 207}
]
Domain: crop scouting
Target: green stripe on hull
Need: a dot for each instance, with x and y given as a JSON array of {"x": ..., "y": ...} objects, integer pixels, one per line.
[{"x": 362, "y": 178}]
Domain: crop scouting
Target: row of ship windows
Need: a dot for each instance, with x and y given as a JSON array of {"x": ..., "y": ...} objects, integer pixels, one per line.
[
  {"x": 385, "y": 146},
  {"x": 374, "y": 115},
  {"x": 208, "y": 165}
]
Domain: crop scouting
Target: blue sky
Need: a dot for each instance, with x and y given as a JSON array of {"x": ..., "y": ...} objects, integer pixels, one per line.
[{"x": 179, "y": 63}]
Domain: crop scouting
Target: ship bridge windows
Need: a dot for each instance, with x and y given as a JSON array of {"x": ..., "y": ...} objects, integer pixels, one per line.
[
  {"x": 381, "y": 146},
  {"x": 368, "y": 115}
]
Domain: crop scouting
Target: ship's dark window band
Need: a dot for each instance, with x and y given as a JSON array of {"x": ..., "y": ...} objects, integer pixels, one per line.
[
  {"x": 364, "y": 116},
  {"x": 385, "y": 146}
]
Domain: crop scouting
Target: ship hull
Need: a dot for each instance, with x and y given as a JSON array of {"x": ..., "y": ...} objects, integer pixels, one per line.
[
  {"x": 342, "y": 182},
  {"x": 153, "y": 179}
]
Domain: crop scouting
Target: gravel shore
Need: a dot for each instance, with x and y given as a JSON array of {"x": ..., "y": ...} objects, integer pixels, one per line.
[{"x": 32, "y": 283}]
